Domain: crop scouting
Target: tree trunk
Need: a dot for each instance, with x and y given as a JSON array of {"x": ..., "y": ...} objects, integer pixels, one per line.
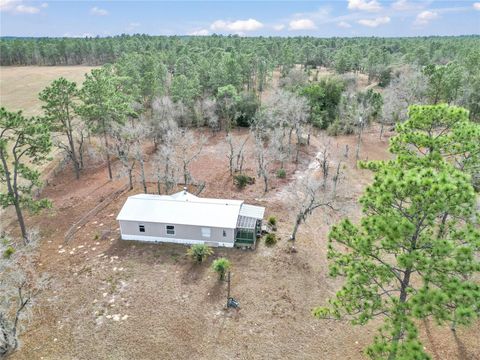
[
  {"x": 13, "y": 191},
  {"x": 73, "y": 155},
  {"x": 71, "y": 143},
  {"x": 21, "y": 221},
  {"x": 130, "y": 178},
  {"x": 298, "y": 221},
  {"x": 185, "y": 174},
  {"x": 403, "y": 298},
  {"x": 359, "y": 140},
  {"x": 109, "y": 166},
  {"x": 144, "y": 181},
  {"x": 80, "y": 150}
]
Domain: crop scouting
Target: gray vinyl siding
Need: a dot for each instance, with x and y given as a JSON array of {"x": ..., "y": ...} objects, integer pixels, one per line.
[{"x": 188, "y": 232}]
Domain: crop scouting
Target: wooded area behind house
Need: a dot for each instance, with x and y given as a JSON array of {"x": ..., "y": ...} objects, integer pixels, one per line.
[{"x": 378, "y": 135}]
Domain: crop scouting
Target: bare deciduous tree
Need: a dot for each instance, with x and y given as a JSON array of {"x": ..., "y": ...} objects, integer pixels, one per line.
[
  {"x": 295, "y": 79},
  {"x": 315, "y": 191},
  {"x": 19, "y": 286},
  {"x": 165, "y": 168},
  {"x": 123, "y": 145},
  {"x": 188, "y": 148},
  {"x": 285, "y": 114},
  {"x": 236, "y": 153},
  {"x": 408, "y": 88},
  {"x": 165, "y": 114},
  {"x": 129, "y": 149},
  {"x": 312, "y": 195},
  {"x": 264, "y": 158},
  {"x": 205, "y": 110}
]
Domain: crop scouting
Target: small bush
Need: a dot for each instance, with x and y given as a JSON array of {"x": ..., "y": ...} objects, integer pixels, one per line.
[
  {"x": 199, "y": 252},
  {"x": 339, "y": 128},
  {"x": 270, "y": 239},
  {"x": 221, "y": 266},
  {"x": 241, "y": 180},
  {"x": 281, "y": 173},
  {"x": 272, "y": 220},
  {"x": 334, "y": 129},
  {"x": 9, "y": 251}
]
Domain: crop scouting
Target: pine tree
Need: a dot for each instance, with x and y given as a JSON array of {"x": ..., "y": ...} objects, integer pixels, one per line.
[{"x": 23, "y": 142}]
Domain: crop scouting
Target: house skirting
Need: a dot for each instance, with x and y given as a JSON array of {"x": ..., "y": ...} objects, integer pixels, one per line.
[{"x": 174, "y": 240}]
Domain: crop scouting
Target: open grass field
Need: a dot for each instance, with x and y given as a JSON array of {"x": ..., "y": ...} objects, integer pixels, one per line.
[{"x": 20, "y": 85}]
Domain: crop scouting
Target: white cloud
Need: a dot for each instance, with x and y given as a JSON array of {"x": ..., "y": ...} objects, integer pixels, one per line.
[
  {"x": 364, "y": 5},
  {"x": 44, "y": 5},
  {"x": 17, "y": 7},
  {"x": 98, "y": 11},
  {"x": 302, "y": 24},
  {"x": 6, "y": 5},
  {"x": 201, "y": 32},
  {"x": 238, "y": 26},
  {"x": 67, "y": 34},
  {"x": 405, "y": 5},
  {"x": 24, "y": 9},
  {"x": 344, "y": 24},
  {"x": 132, "y": 26},
  {"x": 476, "y": 6},
  {"x": 374, "y": 22},
  {"x": 278, "y": 27},
  {"x": 425, "y": 17}
]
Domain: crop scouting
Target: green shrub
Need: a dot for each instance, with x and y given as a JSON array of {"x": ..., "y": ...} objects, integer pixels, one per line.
[
  {"x": 221, "y": 266},
  {"x": 270, "y": 239},
  {"x": 334, "y": 129},
  {"x": 8, "y": 252},
  {"x": 340, "y": 128},
  {"x": 242, "y": 180},
  {"x": 272, "y": 220},
  {"x": 281, "y": 173},
  {"x": 199, "y": 252}
]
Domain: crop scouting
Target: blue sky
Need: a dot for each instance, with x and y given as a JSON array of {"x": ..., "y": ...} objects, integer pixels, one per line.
[{"x": 246, "y": 18}]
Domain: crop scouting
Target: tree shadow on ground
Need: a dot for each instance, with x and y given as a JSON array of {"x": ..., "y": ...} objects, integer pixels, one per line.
[
  {"x": 463, "y": 352},
  {"x": 194, "y": 272},
  {"x": 217, "y": 292}
]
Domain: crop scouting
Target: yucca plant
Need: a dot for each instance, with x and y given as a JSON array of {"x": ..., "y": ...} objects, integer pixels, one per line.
[
  {"x": 199, "y": 252},
  {"x": 221, "y": 266}
]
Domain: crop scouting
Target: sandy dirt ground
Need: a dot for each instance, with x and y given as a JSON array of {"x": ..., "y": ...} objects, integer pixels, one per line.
[
  {"x": 113, "y": 299},
  {"x": 20, "y": 85}
]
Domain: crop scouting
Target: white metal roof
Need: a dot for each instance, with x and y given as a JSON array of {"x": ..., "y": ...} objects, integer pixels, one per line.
[
  {"x": 252, "y": 211},
  {"x": 181, "y": 208}
]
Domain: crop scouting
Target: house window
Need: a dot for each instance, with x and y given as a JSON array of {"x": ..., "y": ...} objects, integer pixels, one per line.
[
  {"x": 224, "y": 233},
  {"x": 206, "y": 232},
  {"x": 170, "y": 230},
  {"x": 141, "y": 228}
]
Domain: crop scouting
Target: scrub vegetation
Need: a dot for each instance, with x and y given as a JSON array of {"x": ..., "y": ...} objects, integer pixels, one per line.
[{"x": 367, "y": 150}]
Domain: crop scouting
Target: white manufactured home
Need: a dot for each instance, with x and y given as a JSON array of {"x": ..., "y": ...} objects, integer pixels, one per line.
[{"x": 187, "y": 219}]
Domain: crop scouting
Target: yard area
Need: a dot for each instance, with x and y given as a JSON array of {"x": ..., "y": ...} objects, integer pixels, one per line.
[{"x": 113, "y": 299}]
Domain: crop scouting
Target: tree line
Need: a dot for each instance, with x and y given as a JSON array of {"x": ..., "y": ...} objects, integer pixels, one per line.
[{"x": 370, "y": 55}]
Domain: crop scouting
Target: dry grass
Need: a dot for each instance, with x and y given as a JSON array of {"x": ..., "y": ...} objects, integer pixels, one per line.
[
  {"x": 113, "y": 299},
  {"x": 20, "y": 85}
]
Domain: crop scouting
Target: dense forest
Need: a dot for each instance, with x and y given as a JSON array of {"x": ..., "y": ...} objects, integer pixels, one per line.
[{"x": 344, "y": 53}]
